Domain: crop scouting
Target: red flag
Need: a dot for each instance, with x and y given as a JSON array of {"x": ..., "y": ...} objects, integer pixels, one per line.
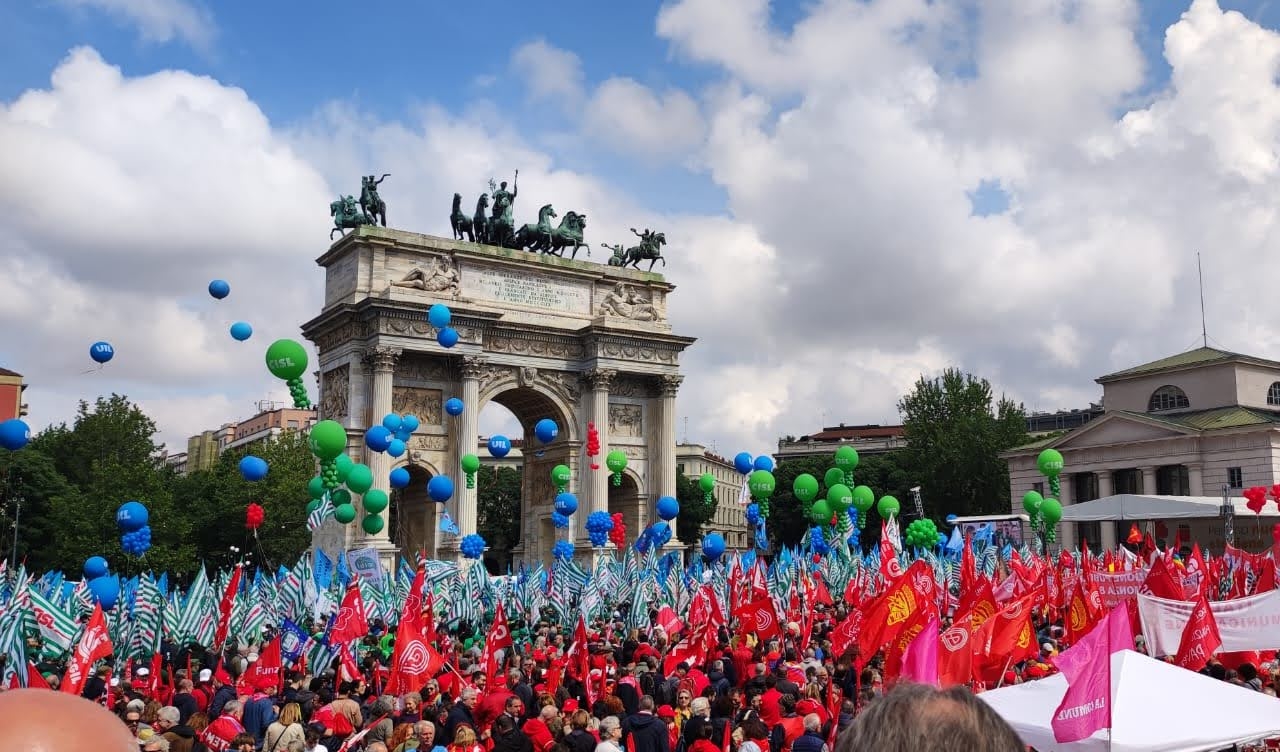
[
  {"x": 1200, "y": 638},
  {"x": 759, "y": 617},
  {"x": 348, "y": 669},
  {"x": 890, "y": 567},
  {"x": 579, "y": 656},
  {"x": 1086, "y": 705},
  {"x": 909, "y": 596},
  {"x": 350, "y": 622},
  {"x": 413, "y": 606},
  {"x": 499, "y": 636},
  {"x": 94, "y": 644},
  {"x": 968, "y": 567},
  {"x": 845, "y": 635},
  {"x": 35, "y": 679},
  {"x": 955, "y": 653},
  {"x": 265, "y": 673},
  {"x": 224, "y": 608},
  {"x": 1079, "y": 617},
  {"x": 669, "y": 621},
  {"x": 1162, "y": 583},
  {"x": 414, "y": 662}
]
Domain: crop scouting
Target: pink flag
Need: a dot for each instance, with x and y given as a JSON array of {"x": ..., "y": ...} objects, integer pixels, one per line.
[
  {"x": 920, "y": 659},
  {"x": 1086, "y": 706}
]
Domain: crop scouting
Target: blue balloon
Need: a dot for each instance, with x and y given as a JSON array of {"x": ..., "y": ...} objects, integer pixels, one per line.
[
  {"x": 742, "y": 462},
  {"x": 219, "y": 288},
  {"x": 668, "y": 507},
  {"x": 763, "y": 462},
  {"x": 253, "y": 468},
  {"x": 101, "y": 352},
  {"x": 132, "y": 515},
  {"x": 14, "y": 434},
  {"x": 499, "y": 446},
  {"x": 95, "y": 566},
  {"x": 447, "y": 337},
  {"x": 566, "y": 503},
  {"x": 546, "y": 430},
  {"x": 403, "y": 435},
  {"x": 713, "y": 546},
  {"x": 395, "y": 448},
  {"x": 377, "y": 438},
  {"x": 391, "y": 422},
  {"x": 106, "y": 590},
  {"x": 240, "y": 331},
  {"x": 440, "y": 488},
  {"x": 409, "y": 424},
  {"x": 439, "y": 315},
  {"x": 453, "y": 406},
  {"x": 400, "y": 478}
]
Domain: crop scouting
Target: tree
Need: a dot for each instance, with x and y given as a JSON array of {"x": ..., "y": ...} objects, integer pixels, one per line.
[
  {"x": 695, "y": 510},
  {"x": 30, "y": 479},
  {"x": 498, "y": 491},
  {"x": 955, "y": 432}
]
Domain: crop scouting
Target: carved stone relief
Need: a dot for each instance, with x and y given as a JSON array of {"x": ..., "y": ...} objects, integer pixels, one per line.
[
  {"x": 626, "y": 421},
  {"x": 415, "y": 368},
  {"x": 427, "y": 442},
  {"x": 331, "y": 339},
  {"x": 630, "y": 351},
  {"x": 436, "y": 275},
  {"x": 625, "y": 301},
  {"x": 568, "y": 384},
  {"x": 626, "y": 385},
  {"x": 522, "y": 346},
  {"x": 424, "y": 403},
  {"x": 335, "y": 393}
]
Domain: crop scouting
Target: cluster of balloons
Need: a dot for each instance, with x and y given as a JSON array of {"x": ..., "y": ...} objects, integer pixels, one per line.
[
  {"x": 713, "y": 546},
  {"x": 392, "y": 435},
  {"x": 923, "y": 534},
  {"x": 329, "y": 444},
  {"x": 560, "y": 477},
  {"x": 565, "y": 505},
  {"x": 707, "y": 484},
  {"x": 254, "y": 516},
  {"x": 818, "y": 542},
  {"x": 472, "y": 546},
  {"x": 1045, "y": 512},
  {"x": 439, "y": 316},
  {"x": 562, "y": 550},
  {"x": 135, "y": 534},
  {"x": 618, "y": 535},
  {"x": 14, "y": 434},
  {"x": 616, "y": 461},
  {"x": 104, "y": 588},
  {"x": 599, "y": 525},
  {"x": 287, "y": 361}
]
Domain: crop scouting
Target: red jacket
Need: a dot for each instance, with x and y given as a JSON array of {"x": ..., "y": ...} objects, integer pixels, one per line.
[{"x": 538, "y": 733}]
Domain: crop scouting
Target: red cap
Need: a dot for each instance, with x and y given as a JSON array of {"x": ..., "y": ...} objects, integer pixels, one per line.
[
  {"x": 1010, "y": 677},
  {"x": 570, "y": 705},
  {"x": 666, "y": 711}
]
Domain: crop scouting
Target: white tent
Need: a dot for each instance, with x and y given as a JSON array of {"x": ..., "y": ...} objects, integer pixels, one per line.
[
  {"x": 1155, "y": 707},
  {"x": 1140, "y": 507}
]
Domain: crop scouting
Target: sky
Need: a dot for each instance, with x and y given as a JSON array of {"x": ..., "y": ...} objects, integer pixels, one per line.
[{"x": 856, "y": 192}]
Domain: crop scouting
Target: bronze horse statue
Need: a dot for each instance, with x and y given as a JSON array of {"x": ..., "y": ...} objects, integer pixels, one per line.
[
  {"x": 460, "y": 222},
  {"x": 480, "y": 222}
]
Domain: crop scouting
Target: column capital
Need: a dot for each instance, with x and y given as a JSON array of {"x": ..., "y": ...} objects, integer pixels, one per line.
[
  {"x": 600, "y": 379},
  {"x": 473, "y": 366},
  {"x": 382, "y": 358},
  {"x": 669, "y": 384}
]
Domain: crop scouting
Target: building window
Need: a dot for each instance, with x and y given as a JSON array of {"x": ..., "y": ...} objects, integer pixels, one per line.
[
  {"x": 680, "y": 468},
  {"x": 1235, "y": 477},
  {"x": 1173, "y": 480},
  {"x": 1168, "y": 397},
  {"x": 1038, "y": 487},
  {"x": 1273, "y": 394}
]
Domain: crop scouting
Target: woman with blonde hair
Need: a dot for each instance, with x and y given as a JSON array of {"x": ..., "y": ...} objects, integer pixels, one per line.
[
  {"x": 464, "y": 740},
  {"x": 286, "y": 729}
]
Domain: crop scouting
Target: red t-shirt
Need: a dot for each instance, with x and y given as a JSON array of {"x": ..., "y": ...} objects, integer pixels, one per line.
[{"x": 770, "y": 710}]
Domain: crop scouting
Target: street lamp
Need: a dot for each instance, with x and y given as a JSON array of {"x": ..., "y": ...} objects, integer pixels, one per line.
[
  {"x": 1228, "y": 514},
  {"x": 17, "y": 518}
]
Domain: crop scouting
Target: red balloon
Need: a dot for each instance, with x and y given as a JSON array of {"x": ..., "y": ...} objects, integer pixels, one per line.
[{"x": 254, "y": 514}]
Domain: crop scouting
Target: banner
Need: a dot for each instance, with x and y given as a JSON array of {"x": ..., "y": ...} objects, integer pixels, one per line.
[
  {"x": 1118, "y": 587},
  {"x": 365, "y": 563},
  {"x": 1243, "y": 623}
]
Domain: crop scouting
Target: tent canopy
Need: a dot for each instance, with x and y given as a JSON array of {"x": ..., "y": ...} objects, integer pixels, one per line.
[
  {"x": 1155, "y": 707},
  {"x": 1151, "y": 507}
]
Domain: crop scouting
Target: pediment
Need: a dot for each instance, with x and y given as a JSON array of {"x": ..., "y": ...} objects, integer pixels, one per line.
[{"x": 1120, "y": 429}]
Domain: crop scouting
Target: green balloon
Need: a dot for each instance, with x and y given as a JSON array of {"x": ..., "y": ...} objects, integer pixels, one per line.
[
  {"x": 286, "y": 359},
  {"x": 1031, "y": 501},
  {"x": 560, "y": 475},
  {"x": 328, "y": 439},
  {"x": 707, "y": 483},
  {"x": 359, "y": 478},
  {"x": 375, "y": 501},
  {"x": 805, "y": 487},
  {"x": 834, "y": 477},
  {"x": 820, "y": 512},
  {"x": 344, "y": 513},
  {"x": 863, "y": 498},
  {"x": 373, "y": 524},
  {"x": 340, "y": 496},
  {"x": 888, "y": 506},
  {"x": 313, "y": 505},
  {"x": 1051, "y": 510},
  {"x": 761, "y": 484},
  {"x": 840, "y": 497},
  {"x": 344, "y": 463},
  {"x": 470, "y": 463},
  {"x": 847, "y": 459},
  {"x": 1050, "y": 463},
  {"x": 315, "y": 487},
  {"x": 616, "y": 461}
]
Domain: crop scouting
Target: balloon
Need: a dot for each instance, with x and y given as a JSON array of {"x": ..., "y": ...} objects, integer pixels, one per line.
[
  {"x": 453, "y": 406},
  {"x": 253, "y": 468},
  {"x": 400, "y": 478},
  {"x": 472, "y": 546},
  {"x": 313, "y": 505},
  {"x": 562, "y": 550},
  {"x": 616, "y": 461},
  {"x": 447, "y": 337},
  {"x": 560, "y": 476},
  {"x": 340, "y": 496},
  {"x": 315, "y": 487},
  {"x": 1051, "y": 510},
  {"x": 820, "y": 512},
  {"x": 377, "y": 438},
  {"x": 241, "y": 330},
  {"x": 1050, "y": 463},
  {"x": 106, "y": 590},
  {"x": 1031, "y": 501},
  {"x": 286, "y": 359},
  {"x": 833, "y": 477},
  {"x": 863, "y": 499},
  {"x": 14, "y": 434},
  {"x": 713, "y": 545},
  {"x": 254, "y": 515},
  {"x": 132, "y": 515},
  {"x": 395, "y": 448},
  {"x": 360, "y": 479},
  {"x": 668, "y": 507},
  {"x": 888, "y": 506},
  {"x": 219, "y": 288},
  {"x": 375, "y": 500},
  {"x": 101, "y": 352},
  {"x": 805, "y": 487},
  {"x": 373, "y": 523},
  {"x": 328, "y": 439},
  {"x": 439, "y": 315},
  {"x": 344, "y": 513},
  {"x": 409, "y": 423},
  {"x": 839, "y": 497},
  {"x": 763, "y": 462},
  {"x": 470, "y": 464},
  {"x": 499, "y": 446},
  {"x": 95, "y": 566},
  {"x": 742, "y": 462},
  {"x": 761, "y": 484},
  {"x": 546, "y": 430},
  {"x": 440, "y": 488},
  {"x": 566, "y": 503},
  {"x": 846, "y": 459},
  {"x": 343, "y": 463},
  {"x": 391, "y": 422}
]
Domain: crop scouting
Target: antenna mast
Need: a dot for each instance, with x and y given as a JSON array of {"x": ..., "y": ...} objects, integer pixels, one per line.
[{"x": 1204, "y": 329}]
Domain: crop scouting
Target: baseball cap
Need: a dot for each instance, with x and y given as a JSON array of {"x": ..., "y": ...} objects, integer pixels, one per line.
[
  {"x": 144, "y": 671},
  {"x": 205, "y": 674},
  {"x": 666, "y": 711}
]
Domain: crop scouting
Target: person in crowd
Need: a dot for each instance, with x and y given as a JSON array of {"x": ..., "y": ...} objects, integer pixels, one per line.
[
  {"x": 916, "y": 717},
  {"x": 644, "y": 731},
  {"x": 464, "y": 740},
  {"x": 286, "y": 729},
  {"x": 169, "y": 724},
  {"x": 610, "y": 733}
]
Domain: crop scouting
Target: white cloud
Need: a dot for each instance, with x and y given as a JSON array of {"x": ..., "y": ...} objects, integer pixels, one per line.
[
  {"x": 630, "y": 118},
  {"x": 157, "y": 20},
  {"x": 548, "y": 72}
]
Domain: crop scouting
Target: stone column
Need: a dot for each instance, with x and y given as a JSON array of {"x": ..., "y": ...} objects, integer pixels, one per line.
[
  {"x": 472, "y": 369},
  {"x": 1148, "y": 480},
  {"x": 1195, "y": 479},
  {"x": 1105, "y": 489},
  {"x": 662, "y": 453},
  {"x": 595, "y": 489},
  {"x": 1070, "y": 536},
  {"x": 381, "y": 362}
]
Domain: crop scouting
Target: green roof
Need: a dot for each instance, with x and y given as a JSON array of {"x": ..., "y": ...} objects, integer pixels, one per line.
[
  {"x": 1197, "y": 357},
  {"x": 1216, "y": 418}
]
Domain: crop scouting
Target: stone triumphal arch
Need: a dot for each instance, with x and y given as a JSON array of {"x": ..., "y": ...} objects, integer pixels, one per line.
[{"x": 543, "y": 336}]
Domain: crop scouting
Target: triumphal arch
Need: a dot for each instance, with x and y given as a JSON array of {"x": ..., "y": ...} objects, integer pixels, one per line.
[{"x": 544, "y": 336}]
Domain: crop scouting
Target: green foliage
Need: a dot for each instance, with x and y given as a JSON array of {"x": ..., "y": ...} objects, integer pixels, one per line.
[
  {"x": 695, "y": 510},
  {"x": 498, "y": 508},
  {"x": 955, "y": 431}
]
